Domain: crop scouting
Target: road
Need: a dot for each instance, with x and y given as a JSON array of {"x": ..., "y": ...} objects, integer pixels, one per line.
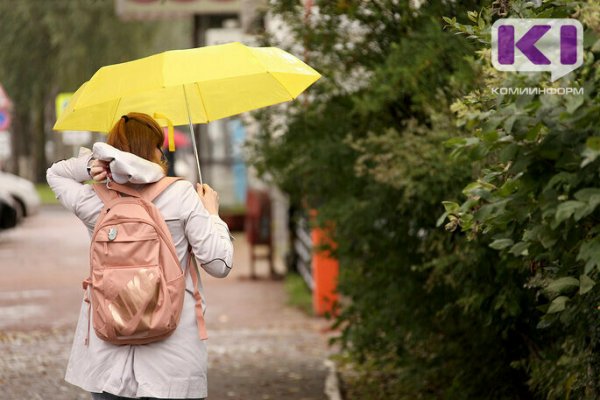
[{"x": 258, "y": 347}]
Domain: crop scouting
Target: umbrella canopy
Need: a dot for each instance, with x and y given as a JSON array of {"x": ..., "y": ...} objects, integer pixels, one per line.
[{"x": 211, "y": 82}]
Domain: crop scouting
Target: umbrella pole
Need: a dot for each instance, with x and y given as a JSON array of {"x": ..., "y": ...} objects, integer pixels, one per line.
[{"x": 193, "y": 135}]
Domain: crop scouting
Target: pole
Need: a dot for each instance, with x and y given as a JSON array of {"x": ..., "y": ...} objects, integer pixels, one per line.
[{"x": 187, "y": 105}]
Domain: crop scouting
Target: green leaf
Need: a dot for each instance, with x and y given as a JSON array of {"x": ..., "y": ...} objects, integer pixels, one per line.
[
  {"x": 586, "y": 284},
  {"x": 587, "y": 194},
  {"x": 509, "y": 187},
  {"x": 533, "y": 132},
  {"x": 471, "y": 186},
  {"x": 561, "y": 179},
  {"x": 563, "y": 284},
  {"x": 441, "y": 219},
  {"x": 589, "y": 156},
  {"x": 490, "y": 137},
  {"x": 491, "y": 124},
  {"x": 509, "y": 153},
  {"x": 573, "y": 102},
  {"x": 590, "y": 253},
  {"x": 520, "y": 249},
  {"x": 567, "y": 209},
  {"x": 592, "y": 197},
  {"x": 557, "y": 305},
  {"x": 455, "y": 142},
  {"x": 593, "y": 143},
  {"x": 450, "y": 206},
  {"x": 509, "y": 122},
  {"x": 447, "y": 20},
  {"x": 500, "y": 244}
]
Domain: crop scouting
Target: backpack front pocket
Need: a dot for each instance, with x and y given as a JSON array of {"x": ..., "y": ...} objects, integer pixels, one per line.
[
  {"x": 127, "y": 244},
  {"x": 131, "y": 300}
]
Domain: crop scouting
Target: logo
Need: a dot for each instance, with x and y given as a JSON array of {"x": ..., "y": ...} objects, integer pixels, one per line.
[{"x": 535, "y": 45}]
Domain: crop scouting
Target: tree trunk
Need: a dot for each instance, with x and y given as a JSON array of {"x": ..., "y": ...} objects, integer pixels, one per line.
[
  {"x": 39, "y": 143},
  {"x": 22, "y": 142}
]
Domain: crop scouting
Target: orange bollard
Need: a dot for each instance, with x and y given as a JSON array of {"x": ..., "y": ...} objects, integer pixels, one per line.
[{"x": 325, "y": 271}]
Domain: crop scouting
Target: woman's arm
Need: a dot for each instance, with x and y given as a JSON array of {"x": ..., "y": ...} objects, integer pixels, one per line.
[
  {"x": 207, "y": 233},
  {"x": 66, "y": 179}
]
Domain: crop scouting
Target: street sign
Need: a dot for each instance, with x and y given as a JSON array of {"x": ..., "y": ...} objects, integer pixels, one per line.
[
  {"x": 62, "y": 101},
  {"x": 5, "y": 147},
  {"x": 4, "y": 119}
]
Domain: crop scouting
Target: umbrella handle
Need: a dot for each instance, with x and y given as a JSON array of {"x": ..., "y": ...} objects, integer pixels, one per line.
[{"x": 193, "y": 135}]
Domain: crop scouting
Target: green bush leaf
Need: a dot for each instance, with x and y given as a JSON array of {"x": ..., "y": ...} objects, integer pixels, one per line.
[
  {"x": 557, "y": 305},
  {"x": 567, "y": 209},
  {"x": 592, "y": 197},
  {"x": 588, "y": 195},
  {"x": 519, "y": 249},
  {"x": 455, "y": 142},
  {"x": 450, "y": 206},
  {"x": 563, "y": 284},
  {"x": 500, "y": 244},
  {"x": 586, "y": 284},
  {"x": 441, "y": 219},
  {"x": 589, "y": 252},
  {"x": 573, "y": 102},
  {"x": 593, "y": 143}
]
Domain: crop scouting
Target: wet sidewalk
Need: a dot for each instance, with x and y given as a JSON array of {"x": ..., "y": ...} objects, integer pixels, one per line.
[{"x": 259, "y": 348}]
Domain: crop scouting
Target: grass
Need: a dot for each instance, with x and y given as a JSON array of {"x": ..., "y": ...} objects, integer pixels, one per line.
[
  {"x": 46, "y": 194},
  {"x": 299, "y": 295}
]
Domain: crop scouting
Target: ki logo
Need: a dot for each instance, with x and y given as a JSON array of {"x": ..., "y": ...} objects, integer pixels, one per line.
[{"x": 536, "y": 45}]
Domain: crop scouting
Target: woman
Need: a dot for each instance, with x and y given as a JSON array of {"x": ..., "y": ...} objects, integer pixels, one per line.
[{"x": 175, "y": 367}]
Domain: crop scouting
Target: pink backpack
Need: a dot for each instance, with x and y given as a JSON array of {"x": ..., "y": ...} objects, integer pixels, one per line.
[{"x": 136, "y": 283}]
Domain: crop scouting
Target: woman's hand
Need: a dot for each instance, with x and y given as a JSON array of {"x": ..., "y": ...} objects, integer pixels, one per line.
[
  {"x": 99, "y": 170},
  {"x": 209, "y": 198}
]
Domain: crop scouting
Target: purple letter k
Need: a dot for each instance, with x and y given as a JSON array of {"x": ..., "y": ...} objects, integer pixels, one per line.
[{"x": 527, "y": 44}]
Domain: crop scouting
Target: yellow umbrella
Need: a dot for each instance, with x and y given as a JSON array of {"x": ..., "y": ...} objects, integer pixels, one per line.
[{"x": 188, "y": 86}]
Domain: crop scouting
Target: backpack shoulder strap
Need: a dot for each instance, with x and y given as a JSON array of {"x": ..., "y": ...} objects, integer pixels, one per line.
[
  {"x": 152, "y": 191},
  {"x": 128, "y": 190},
  {"x": 104, "y": 193},
  {"x": 110, "y": 191},
  {"x": 193, "y": 269}
]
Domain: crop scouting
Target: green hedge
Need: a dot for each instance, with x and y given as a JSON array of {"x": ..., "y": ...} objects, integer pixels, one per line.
[{"x": 402, "y": 122}]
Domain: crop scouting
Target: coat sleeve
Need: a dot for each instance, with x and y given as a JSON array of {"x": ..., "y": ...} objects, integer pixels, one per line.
[
  {"x": 66, "y": 179},
  {"x": 207, "y": 234}
]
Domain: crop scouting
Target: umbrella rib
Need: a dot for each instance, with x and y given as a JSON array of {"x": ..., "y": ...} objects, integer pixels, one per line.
[
  {"x": 114, "y": 115},
  {"x": 202, "y": 101},
  {"x": 281, "y": 84},
  {"x": 274, "y": 77}
]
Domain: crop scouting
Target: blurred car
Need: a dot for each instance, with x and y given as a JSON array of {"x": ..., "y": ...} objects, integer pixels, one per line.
[
  {"x": 8, "y": 211},
  {"x": 27, "y": 200}
]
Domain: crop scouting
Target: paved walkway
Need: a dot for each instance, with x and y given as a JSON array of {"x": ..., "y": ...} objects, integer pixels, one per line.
[{"x": 258, "y": 347}]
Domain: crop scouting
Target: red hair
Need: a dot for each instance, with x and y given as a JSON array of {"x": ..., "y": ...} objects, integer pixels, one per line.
[{"x": 139, "y": 134}]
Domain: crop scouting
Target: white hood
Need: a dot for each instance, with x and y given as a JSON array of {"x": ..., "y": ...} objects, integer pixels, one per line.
[{"x": 127, "y": 167}]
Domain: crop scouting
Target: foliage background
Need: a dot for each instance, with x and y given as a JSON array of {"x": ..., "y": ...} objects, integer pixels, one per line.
[
  {"x": 54, "y": 46},
  {"x": 503, "y": 306}
]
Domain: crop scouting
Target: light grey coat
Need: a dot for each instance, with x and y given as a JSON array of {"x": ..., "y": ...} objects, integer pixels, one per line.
[{"x": 172, "y": 368}]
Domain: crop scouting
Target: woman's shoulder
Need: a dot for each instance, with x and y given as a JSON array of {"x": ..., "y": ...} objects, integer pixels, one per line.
[
  {"x": 177, "y": 200},
  {"x": 176, "y": 188},
  {"x": 181, "y": 186}
]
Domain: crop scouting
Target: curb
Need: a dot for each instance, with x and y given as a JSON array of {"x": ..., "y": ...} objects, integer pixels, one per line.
[{"x": 332, "y": 383}]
